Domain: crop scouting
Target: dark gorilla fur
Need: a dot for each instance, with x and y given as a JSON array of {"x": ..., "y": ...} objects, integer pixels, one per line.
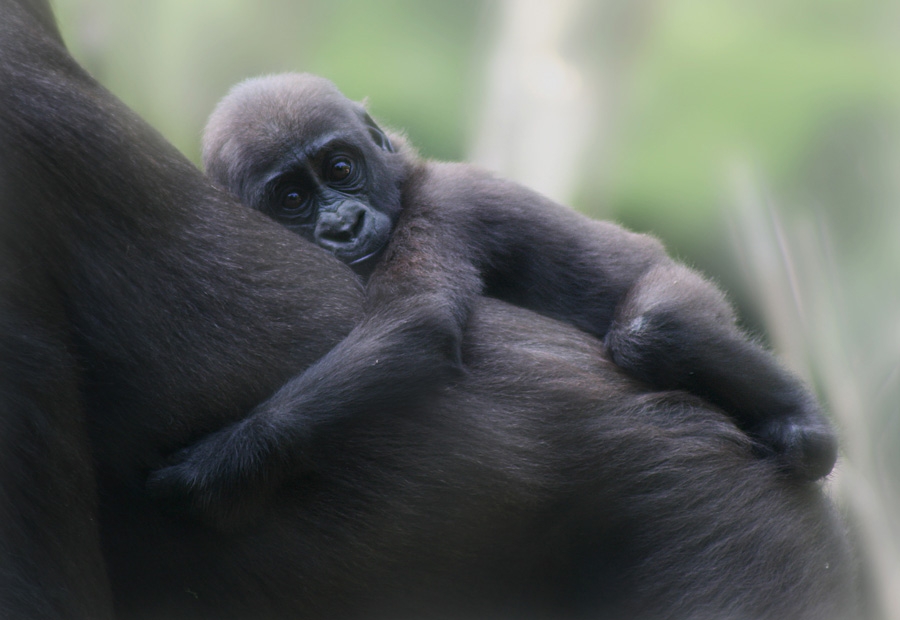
[
  {"x": 293, "y": 147},
  {"x": 140, "y": 308}
]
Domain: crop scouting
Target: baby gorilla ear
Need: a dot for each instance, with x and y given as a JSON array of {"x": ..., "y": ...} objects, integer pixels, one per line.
[{"x": 378, "y": 136}]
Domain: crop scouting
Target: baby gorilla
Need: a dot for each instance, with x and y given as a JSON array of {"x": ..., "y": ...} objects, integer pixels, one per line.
[{"x": 430, "y": 237}]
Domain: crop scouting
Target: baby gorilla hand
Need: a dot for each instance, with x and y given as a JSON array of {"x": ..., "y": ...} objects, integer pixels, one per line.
[{"x": 224, "y": 478}]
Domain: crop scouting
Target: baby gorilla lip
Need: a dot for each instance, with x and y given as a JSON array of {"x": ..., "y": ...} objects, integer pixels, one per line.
[
  {"x": 363, "y": 258},
  {"x": 358, "y": 249}
]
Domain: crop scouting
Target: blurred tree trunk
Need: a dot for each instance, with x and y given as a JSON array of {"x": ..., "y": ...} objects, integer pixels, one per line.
[
  {"x": 818, "y": 317},
  {"x": 554, "y": 84}
]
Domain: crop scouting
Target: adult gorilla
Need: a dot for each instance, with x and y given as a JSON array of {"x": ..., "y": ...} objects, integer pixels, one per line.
[{"x": 140, "y": 309}]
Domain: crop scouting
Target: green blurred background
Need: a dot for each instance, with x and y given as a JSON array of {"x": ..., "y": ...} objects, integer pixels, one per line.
[{"x": 760, "y": 139}]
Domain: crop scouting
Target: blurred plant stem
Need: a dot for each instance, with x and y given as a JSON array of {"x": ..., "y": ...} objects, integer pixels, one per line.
[
  {"x": 553, "y": 89},
  {"x": 802, "y": 291}
]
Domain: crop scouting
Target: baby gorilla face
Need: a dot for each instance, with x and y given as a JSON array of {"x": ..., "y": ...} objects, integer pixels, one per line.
[
  {"x": 325, "y": 198},
  {"x": 293, "y": 147}
]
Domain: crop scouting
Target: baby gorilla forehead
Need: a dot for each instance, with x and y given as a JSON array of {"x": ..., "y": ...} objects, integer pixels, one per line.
[
  {"x": 315, "y": 147},
  {"x": 310, "y": 133},
  {"x": 308, "y": 103}
]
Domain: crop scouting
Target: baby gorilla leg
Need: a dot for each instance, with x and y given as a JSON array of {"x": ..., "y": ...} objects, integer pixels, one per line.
[{"x": 674, "y": 330}]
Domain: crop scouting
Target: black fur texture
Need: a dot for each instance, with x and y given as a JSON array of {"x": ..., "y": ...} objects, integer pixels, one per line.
[{"x": 141, "y": 309}]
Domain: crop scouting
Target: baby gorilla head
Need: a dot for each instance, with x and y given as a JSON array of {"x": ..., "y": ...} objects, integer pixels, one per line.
[{"x": 293, "y": 147}]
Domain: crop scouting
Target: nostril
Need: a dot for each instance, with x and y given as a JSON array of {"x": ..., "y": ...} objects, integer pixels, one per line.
[
  {"x": 358, "y": 224},
  {"x": 341, "y": 226}
]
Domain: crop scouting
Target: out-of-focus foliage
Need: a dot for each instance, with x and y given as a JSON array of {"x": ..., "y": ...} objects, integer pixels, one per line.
[
  {"x": 683, "y": 98},
  {"x": 171, "y": 60},
  {"x": 774, "y": 79},
  {"x": 688, "y": 85}
]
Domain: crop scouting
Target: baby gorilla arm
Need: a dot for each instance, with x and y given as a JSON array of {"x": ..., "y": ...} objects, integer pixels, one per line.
[{"x": 406, "y": 348}]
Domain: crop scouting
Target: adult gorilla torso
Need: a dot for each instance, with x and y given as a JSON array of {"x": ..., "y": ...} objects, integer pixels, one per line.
[
  {"x": 544, "y": 484},
  {"x": 140, "y": 309}
]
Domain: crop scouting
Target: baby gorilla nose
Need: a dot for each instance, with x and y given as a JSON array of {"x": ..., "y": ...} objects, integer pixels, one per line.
[{"x": 342, "y": 225}]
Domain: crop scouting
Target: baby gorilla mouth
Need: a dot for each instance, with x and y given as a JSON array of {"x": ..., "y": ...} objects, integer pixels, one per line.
[{"x": 363, "y": 259}]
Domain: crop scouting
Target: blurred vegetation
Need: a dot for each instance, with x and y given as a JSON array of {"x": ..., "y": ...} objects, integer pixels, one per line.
[
  {"x": 803, "y": 88},
  {"x": 172, "y": 60},
  {"x": 760, "y": 139}
]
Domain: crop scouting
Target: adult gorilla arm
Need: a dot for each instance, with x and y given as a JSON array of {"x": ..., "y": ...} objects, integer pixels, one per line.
[
  {"x": 141, "y": 309},
  {"x": 46, "y": 475},
  {"x": 128, "y": 322}
]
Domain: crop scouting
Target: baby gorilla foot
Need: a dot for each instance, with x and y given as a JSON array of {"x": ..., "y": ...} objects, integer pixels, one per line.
[
  {"x": 222, "y": 480},
  {"x": 803, "y": 443},
  {"x": 717, "y": 362}
]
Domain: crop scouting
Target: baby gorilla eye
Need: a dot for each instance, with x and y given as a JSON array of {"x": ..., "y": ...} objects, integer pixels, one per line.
[
  {"x": 292, "y": 200},
  {"x": 340, "y": 170}
]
